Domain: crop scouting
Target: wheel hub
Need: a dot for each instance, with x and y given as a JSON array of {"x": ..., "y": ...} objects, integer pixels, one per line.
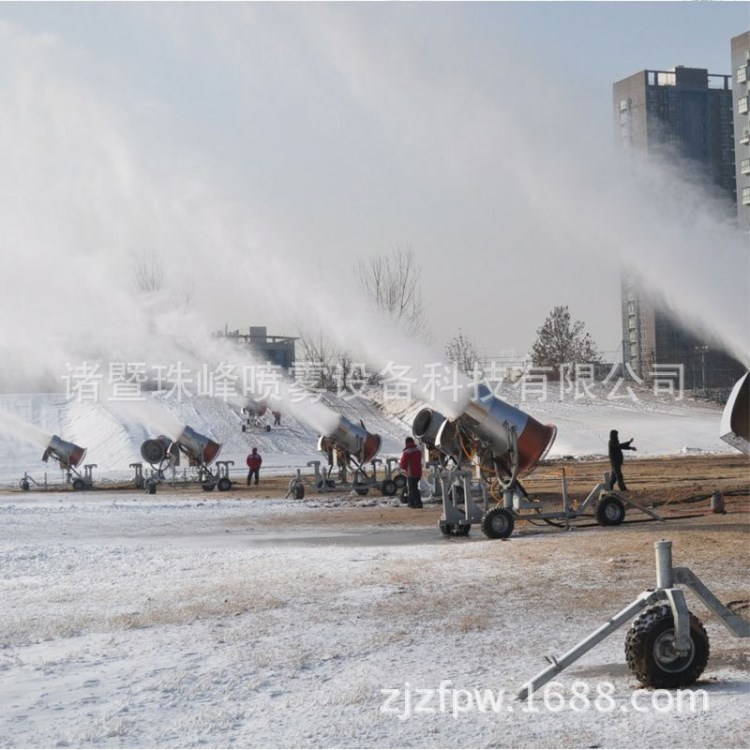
[{"x": 667, "y": 656}]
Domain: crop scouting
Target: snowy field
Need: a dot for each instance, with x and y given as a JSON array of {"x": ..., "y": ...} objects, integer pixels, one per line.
[
  {"x": 172, "y": 621},
  {"x": 193, "y": 620}
]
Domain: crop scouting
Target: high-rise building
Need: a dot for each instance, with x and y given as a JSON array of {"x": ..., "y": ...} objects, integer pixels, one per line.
[
  {"x": 687, "y": 113},
  {"x": 741, "y": 108}
]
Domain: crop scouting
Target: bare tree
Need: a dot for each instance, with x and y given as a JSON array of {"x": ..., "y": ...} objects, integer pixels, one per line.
[
  {"x": 561, "y": 342},
  {"x": 394, "y": 284},
  {"x": 461, "y": 350},
  {"x": 148, "y": 272},
  {"x": 332, "y": 366}
]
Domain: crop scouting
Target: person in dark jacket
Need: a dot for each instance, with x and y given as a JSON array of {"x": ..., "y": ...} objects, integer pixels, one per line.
[
  {"x": 254, "y": 462},
  {"x": 616, "y": 458},
  {"x": 411, "y": 465}
]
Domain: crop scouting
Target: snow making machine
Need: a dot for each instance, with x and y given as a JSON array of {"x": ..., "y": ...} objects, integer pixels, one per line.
[
  {"x": 70, "y": 457},
  {"x": 351, "y": 463},
  {"x": 256, "y": 415},
  {"x": 163, "y": 453},
  {"x": 482, "y": 455}
]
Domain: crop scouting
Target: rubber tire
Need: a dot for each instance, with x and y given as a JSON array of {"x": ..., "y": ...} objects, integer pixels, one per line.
[
  {"x": 224, "y": 484},
  {"x": 25, "y": 486},
  {"x": 151, "y": 488},
  {"x": 298, "y": 491},
  {"x": 360, "y": 490},
  {"x": 610, "y": 511},
  {"x": 79, "y": 485},
  {"x": 268, "y": 428},
  {"x": 388, "y": 488},
  {"x": 457, "y": 528},
  {"x": 400, "y": 480},
  {"x": 645, "y": 635},
  {"x": 208, "y": 486},
  {"x": 454, "y": 529},
  {"x": 498, "y": 523}
]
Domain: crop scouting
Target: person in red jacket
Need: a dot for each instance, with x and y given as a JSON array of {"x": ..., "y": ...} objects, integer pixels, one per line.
[
  {"x": 411, "y": 465},
  {"x": 254, "y": 462}
]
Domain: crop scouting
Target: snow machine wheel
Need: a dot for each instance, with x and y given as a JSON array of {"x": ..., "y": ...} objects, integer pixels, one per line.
[
  {"x": 610, "y": 511},
  {"x": 388, "y": 488},
  {"x": 25, "y": 486},
  {"x": 400, "y": 481},
  {"x": 361, "y": 489},
  {"x": 498, "y": 523},
  {"x": 298, "y": 491},
  {"x": 208, "y": 486},
  {"x": 268, "y": 428},
  {"x": 650, "y": 653},
  {"x": 151, "y": 488},
  {"x": 224, "y": 484},
  {"x": 454, "y": 529},
  {"x": 78, "y": 485}
]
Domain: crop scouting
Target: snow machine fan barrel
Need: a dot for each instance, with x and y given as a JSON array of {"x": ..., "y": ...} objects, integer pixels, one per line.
[
  {"x": 200, "y": 449},
  {"x": 426, "y": 426},
  {"x": 68, "y": 454},
  {"x": 493, "y": 419},
  {"x": 355, "y": 440},
  {"x": 254, "y": 408},
  {"x": 156, "y": 450},
  {"x": 735, "y": 420}
]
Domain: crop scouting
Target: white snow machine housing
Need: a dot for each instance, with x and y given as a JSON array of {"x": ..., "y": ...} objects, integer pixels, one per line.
[{"x": 735, "y": 421}]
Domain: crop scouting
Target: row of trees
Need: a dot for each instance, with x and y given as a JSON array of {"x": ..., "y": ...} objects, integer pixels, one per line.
[{"x": 393, "y": 284}]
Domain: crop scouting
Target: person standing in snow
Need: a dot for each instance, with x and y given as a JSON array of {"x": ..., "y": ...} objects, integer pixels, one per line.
[
  {"x": 411, "y": 465},
  {"x": 616, "y": 458},
  {"x": 254, "y": 462},
  {"x": 276, "y": 418}
]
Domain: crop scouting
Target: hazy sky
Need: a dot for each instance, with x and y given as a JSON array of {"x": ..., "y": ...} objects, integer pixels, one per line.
[{"x": 261, "y": 147}]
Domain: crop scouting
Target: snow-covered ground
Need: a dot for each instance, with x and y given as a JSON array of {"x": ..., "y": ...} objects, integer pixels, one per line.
[
  {"x": 182, "y": 620},
  {"x": 169, "y": 621}
]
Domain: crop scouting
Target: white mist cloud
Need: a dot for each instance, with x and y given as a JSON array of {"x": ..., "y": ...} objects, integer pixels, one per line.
[{"x": 512, "y": 207}]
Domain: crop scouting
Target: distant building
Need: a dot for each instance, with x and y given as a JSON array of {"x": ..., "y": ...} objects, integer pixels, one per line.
[
  {"x": 741, "y": 112},
  {"x": 278, "y": 350},
  {"x": 688, "y": 112}
]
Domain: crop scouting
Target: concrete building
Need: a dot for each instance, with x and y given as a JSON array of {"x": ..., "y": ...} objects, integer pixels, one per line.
[
  {"x": 740, "y": 46},
  {"x": 688, "y": 113},
  {"x": 278, "y": 350}
]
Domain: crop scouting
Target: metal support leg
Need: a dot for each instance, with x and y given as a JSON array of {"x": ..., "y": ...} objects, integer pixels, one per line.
[{"x": 557, "y": 665}]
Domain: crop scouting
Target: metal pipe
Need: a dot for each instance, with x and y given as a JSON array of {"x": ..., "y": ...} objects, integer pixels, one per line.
[{"x": 664, "y": 578}]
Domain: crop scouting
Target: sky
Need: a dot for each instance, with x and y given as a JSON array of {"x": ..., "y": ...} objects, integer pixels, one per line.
[{"x": 261, "y": 150}]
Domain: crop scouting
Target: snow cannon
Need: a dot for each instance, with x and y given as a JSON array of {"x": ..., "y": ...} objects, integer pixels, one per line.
[
  {"x": 160, "y": 451},
  {"x": 353, "y": 439},
  {"x": 200, "y": 450},
  {"x": 735, "y": 420},
  {"x": 503, "y": 440},
  {"x": 68, "y": 455},
  {"x": 254, "y": 408}
]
